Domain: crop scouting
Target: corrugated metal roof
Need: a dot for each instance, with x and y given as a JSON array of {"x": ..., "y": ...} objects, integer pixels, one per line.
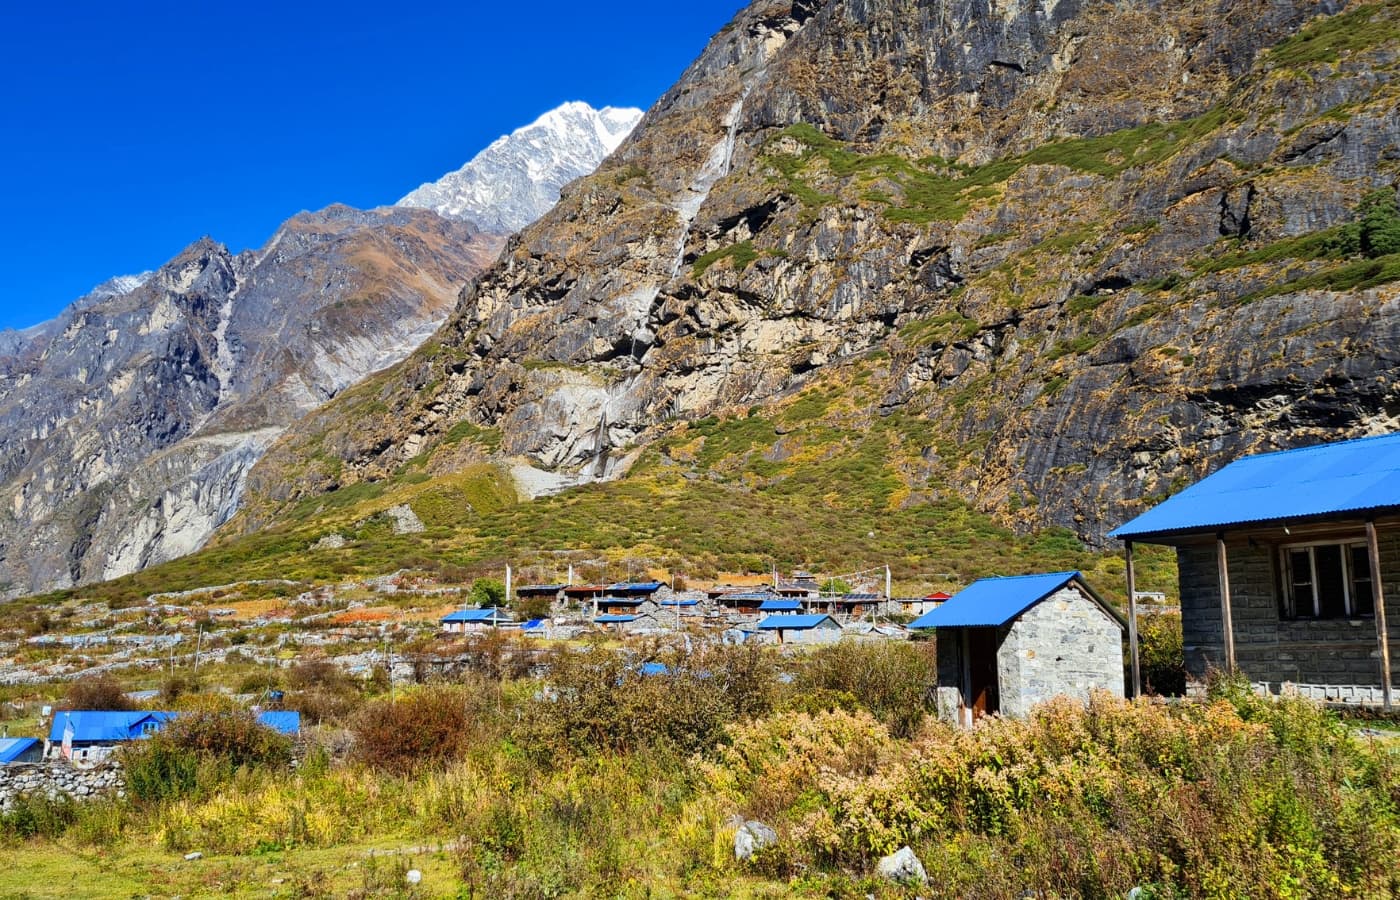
[
  {"x": 612, "y": 619},
  {"x": 680, "y": 602},
  {"x": 12, "y": 749},
  {"x": 1327, "y": 479},
  {"x": 104, "y": 725},
  {"x": 860, "y": 597},
  {"x": 993, "y": 601},
  {"x": 760, "y": 596},
  {"x": 637, "y": 587},
  {"x": 801, "y": 623},
  {"x": 540, "y": 588},
  {"x": 778, "y": 605},
  {"x": 490, "y": 614}
]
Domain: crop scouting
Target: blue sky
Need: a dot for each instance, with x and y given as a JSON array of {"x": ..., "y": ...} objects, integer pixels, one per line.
[{"x": 131, "y": 129}]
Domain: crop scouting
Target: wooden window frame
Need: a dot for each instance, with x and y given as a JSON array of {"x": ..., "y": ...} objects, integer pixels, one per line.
[{"x": 1290, "y": 606}]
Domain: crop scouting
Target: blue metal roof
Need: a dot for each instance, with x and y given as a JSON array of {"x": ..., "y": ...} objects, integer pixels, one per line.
[
  {"x": 489, "y": 614},
  {"x": 613, "y": 619},
  {"x": 801, "y": 623},
  {"x": 993, "y": 601},
  {"x": 778, "y": 605},
  {"x": 639, "y": 587},
  {"x": 1327, "y": 479},
  {"x": 680, "y": 602},
  {"x": 107, "y": 727},
  {"x": 12, "y": 749},
  {"x": 104, "y": 726}
]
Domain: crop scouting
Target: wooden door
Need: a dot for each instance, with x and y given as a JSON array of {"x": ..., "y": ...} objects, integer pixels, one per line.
[{"x": 982, "y": 671}]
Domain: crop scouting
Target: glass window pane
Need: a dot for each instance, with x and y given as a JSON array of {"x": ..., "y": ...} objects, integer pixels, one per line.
[
  {"x": 1300, "y": 582},
  {"x": 1331, "y": 586},
  {"x": 1362, "y": 603}
]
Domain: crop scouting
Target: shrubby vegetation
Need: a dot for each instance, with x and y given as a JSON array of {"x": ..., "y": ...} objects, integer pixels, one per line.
[{"x": 596, "y": 771}]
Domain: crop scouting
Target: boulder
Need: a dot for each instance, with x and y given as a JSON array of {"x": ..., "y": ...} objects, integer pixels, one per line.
[
  {"x": 902, "y": 866},
  {"x": 752, "y": 837}
]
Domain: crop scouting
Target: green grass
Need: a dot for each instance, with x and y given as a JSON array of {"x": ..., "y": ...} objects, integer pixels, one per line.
[
  {"x": 740, "y": 256},
  {"x": 944, "y": 328},
  {"x": 1325, "y": 41}
]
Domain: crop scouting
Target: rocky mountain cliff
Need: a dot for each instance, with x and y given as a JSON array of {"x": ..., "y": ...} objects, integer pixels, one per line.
[
  {"x": 127, "y": 425},
  {"x": 1068, "y": 254},
  {"x": 518, "y": 177}
]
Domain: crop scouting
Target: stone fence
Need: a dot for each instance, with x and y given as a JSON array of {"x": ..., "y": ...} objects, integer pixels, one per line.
[{"x": 57, "y": 777}]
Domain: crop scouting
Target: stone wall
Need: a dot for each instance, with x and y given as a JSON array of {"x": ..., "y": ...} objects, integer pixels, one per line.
[
  {"x": 1065, "y": 645},
  {"x": 1335, "y": 660},
  {"x": 55, "y": 777}
]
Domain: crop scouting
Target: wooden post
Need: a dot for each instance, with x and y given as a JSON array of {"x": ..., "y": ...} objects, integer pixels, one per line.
[
  {"x": 1227, "y": 620},
  {"x": 1378, "y": 598},
  {"x": 1136, "y": 688}
]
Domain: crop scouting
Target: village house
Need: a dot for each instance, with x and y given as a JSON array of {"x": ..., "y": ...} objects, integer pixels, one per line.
[
  {"x": 14, "y": 751},
  {"x": 1289, "y": 568},
  {"x": 1006, "y": 644},
  {"x": 554, "y": 593},
  {"x": 917, "y": 606},
  {"x": 627, "y": 623},
  {"x": 468, "y": 621},
  {"x": 87, "y": 737},
  {"x": 817, "y": 628}
]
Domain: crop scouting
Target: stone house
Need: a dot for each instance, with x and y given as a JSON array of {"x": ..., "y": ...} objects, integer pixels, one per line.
[
  {"x": 627, "y": 623},
  {"x": 1289, "y": 567},
  {"x": 1007, "y": 644},
  {"x": 467, "y": 621},
  {"x": 817, "y": 628}
]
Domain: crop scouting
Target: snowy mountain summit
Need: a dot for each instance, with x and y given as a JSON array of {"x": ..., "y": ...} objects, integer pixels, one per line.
[{"x": 517, "y": 179}]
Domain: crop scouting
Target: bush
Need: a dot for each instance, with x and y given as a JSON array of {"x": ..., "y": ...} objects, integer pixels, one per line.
[
  {"x": 488, "y": 592},
  {"x": 893, "y": 680},
  {"x": 1160, "y": 655},
  {"x": 97, "y": 693},
  {"x": 601, "y": 702},
  {"x": 36, "y": 815},
  {"x": 425, "y": 728},
  {"x": 198, "y": 751}
]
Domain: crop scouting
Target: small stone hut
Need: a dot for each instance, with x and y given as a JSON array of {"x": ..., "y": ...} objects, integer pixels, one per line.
[{"x": 1006, "y": 644}]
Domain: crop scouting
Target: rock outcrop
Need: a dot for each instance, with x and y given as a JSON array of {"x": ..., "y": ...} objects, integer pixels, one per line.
[{"x": 1097, "y": 248}]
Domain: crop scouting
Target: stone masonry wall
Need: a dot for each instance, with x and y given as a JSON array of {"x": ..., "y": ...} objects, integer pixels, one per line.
[
  {"x": 1336, "y": 660},
  {"x": 1064, "y": 645},
  {"x": 55, "y": 777}
]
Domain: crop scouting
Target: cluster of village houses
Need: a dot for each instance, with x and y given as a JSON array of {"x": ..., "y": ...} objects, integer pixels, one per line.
[
  {"x": 1289, "y": 567},
  {"x": 1289, "y": 571}
]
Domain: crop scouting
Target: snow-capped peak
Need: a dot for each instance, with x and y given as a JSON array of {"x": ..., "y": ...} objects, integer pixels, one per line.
[
  {"x": 119, "y": 285},
  {"x": 517, "y": 179}
]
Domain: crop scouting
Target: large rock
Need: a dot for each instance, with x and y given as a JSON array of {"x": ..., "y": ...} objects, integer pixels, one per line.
[
  {"x": 752, "y": 837},
  {"x": 902, "y": 866}
]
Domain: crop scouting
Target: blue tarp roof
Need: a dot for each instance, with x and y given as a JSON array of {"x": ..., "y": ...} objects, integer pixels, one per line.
[
  {"x": 639, "y": 587},
  {"x": 12, "y": 749},
  {"x": 286, "y": 721},
  {"x": 654, "y": 668},
  {"x": 613, "y": 619},
  {"x": 993, "y": 601},
  {"x": 532, "y": 624},
  {"x": 489, "y": 614},
  {"x": 778, "y": 605},
  {"x": 101, "y": 726},
  {"x": 798, "y": 622},
  {"x": 1345, "y": 477}
]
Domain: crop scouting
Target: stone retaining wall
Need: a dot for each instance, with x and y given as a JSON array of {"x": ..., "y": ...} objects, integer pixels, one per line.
[{"x": 56, "y": 777}]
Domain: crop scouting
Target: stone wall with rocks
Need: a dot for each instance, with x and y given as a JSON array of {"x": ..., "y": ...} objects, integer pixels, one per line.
[
  {"x": 1065, "y": 645},
  {"x": 1332, "y": 660},
  {"x": 57, "y": 777}
]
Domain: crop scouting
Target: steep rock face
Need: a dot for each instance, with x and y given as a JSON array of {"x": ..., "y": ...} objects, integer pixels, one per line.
[
  {"x": 1103, "y": 247},
  {"x": 128, "y": 424},
  {"x": 517, "y": 179}
]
